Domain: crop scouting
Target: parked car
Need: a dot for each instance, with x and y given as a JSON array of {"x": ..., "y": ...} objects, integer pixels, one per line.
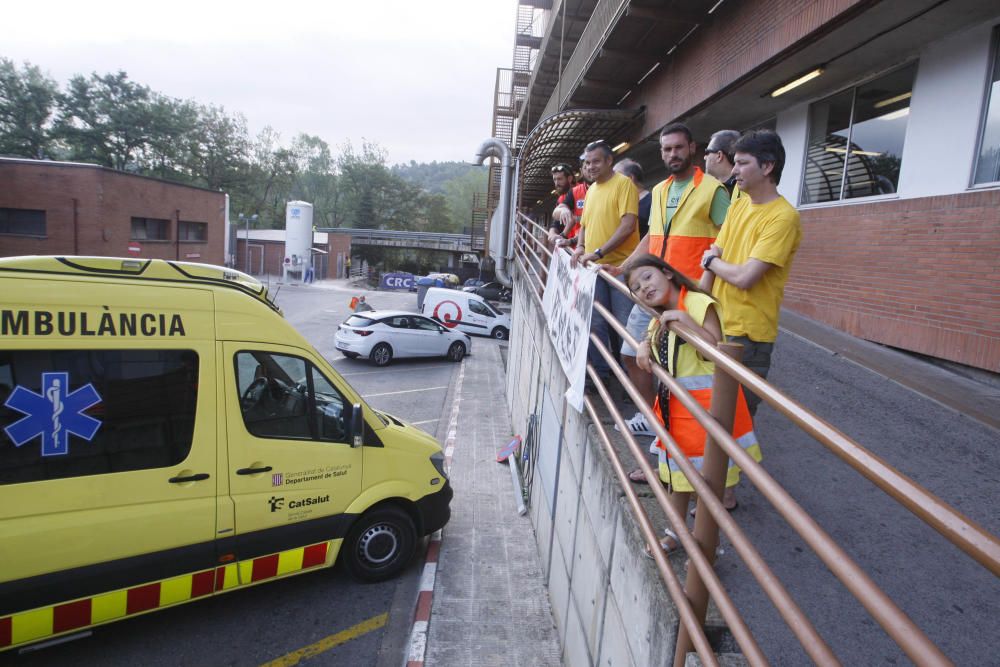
[
  {"x": 383, "y": 335},
  {"x": 493, "y": 291}
]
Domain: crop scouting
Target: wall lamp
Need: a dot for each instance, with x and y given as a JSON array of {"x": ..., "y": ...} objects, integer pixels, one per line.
[
  {"x": 808, "y": 76},
  {"x": 620, "y": 147}
]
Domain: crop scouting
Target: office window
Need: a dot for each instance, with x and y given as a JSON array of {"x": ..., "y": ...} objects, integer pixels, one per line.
[
  {"x": 988, "y": 160},
  {"x": 71, "y": 413},
  {"x": 192, "y": 231},
  {"x": 150, "y": 229},
  {"x": 22, "y": 221},
  {"x": 856, "y": 139}
]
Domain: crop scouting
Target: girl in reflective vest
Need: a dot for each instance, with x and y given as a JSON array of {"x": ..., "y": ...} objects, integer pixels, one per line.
[{"x": 659, "y": 286}]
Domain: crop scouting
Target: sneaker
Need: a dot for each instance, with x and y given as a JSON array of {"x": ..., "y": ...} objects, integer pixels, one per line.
[{"x": 638, "y": 426}]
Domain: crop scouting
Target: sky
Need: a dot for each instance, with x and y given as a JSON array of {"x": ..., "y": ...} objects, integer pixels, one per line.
[{"x": 414, "y": 76}]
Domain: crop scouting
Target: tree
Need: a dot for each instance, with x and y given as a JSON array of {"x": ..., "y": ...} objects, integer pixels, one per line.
[
  {"x": 315, "y": 181},
  {"x": 105, "y": 119},
  {"x": 219, "y": 150},
  {"x": 27, "y": 100},
  {"x": 459, "y": 192}
]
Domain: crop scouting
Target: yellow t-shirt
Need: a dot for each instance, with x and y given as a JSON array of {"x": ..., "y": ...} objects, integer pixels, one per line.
[
  {"x": 603, "y": 209},
  {"x": 771, "y": 233}
]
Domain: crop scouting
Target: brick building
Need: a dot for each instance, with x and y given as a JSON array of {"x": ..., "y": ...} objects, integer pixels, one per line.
[
  {"x": 889, "y": 111},
  {"x": 65, "y": 208}
]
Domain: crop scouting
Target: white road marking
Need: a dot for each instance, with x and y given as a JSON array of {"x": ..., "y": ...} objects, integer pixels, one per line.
[
  {"x": 402, "y": 370},
  {"x": 405, "y": 391},
  {"x": 426, "y": 421}
]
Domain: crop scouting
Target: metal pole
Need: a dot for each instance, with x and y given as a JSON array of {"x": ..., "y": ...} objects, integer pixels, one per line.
[
  {"x": 247, "y": 263},
  {"x": 715, "y": 466}
]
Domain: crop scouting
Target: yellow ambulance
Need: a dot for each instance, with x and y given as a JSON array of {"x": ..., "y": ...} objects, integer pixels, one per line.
[{"x": 166, "y": 435}]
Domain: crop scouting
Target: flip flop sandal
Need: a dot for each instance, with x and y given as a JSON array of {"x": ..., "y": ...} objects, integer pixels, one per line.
[
  {"x": 638, "y": 476},
  {"x": 667, "y": 549}
]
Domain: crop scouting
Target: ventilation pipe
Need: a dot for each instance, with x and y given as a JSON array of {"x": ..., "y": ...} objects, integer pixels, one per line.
[{"x": 500, "y": 223}]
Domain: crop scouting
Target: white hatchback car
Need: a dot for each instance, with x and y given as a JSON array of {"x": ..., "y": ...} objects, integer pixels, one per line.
[{"x": 381, "y": 335}]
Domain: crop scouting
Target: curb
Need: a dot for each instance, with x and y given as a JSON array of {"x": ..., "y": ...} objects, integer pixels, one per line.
[{"x": 425, "y": 598}]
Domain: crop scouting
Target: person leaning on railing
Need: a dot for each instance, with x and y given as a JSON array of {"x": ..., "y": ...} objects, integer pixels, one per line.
[
  {"x": 676, "y": 298},
  {"x": 566, "y": 216},
  {"x": 747, "y": 267},
  {"x": 608, "y": 235}
]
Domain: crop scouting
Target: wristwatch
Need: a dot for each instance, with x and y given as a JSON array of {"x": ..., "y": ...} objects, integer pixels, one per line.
[
  {"x": 599, "y": 253},
  {"x": 708, "y": 262}
]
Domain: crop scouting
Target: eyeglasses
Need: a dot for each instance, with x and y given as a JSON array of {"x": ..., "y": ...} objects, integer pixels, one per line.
[
  {"x": 713, "y": 150},
  {"x": 564, "y": 168}
]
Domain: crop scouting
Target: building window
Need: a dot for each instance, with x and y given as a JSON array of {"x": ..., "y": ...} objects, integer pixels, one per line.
[
  {"x": 988, "y": 161},
  {"x": 22, "y": 221},
  {"x": 192, "y": 231},
  {"x": 856, "y": 139},
  {"x": 150, "y": 229},
  {"x": 123, "y": 410}
]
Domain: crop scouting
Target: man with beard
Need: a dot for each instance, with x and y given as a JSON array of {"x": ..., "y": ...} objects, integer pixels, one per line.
[
  {"x": 565, "y": 223},
  {"x": 686, "y": 212}
]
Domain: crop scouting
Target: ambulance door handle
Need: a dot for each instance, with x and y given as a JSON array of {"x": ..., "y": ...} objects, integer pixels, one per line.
[
  {"x": 253, "y": 471},
  {"x": 189, "y": 478}
]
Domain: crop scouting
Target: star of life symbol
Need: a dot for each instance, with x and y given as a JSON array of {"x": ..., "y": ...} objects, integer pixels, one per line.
[{"x": 53, "y": 414}]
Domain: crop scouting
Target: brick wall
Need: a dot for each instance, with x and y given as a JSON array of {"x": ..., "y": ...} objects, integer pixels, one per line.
[
  {"x": 746, "y": 36},
  {"x": 103, "y": 202},
  {"x": 339, "y": 245},
  {"x": 918, "y": 274}
]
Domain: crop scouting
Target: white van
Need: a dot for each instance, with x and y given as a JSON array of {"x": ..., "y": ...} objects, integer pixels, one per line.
[{"x": 466, "y": 312}]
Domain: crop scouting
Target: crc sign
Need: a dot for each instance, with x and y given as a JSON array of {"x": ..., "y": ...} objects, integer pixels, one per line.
[{"x": 397, "y": 280}]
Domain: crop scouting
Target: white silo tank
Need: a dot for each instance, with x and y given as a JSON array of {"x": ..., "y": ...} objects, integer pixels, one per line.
[{"x": 298, "y": 238}]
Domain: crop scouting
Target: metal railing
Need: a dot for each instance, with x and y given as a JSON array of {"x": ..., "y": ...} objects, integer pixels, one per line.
[{"x": 708, "y": 485}]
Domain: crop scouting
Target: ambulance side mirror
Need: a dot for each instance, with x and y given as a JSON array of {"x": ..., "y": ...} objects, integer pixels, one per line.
[{"x": 357, "y": 425}]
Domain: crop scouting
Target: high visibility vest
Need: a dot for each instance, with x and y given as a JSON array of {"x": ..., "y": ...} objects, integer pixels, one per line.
[
  {"x": 691, "y": 231},
  {"x": 578, "y": 194},
  {"x": 695, "y": 375}
]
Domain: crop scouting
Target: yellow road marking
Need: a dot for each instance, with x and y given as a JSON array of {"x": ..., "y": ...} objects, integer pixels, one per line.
[{"x": 330, "y": 642}]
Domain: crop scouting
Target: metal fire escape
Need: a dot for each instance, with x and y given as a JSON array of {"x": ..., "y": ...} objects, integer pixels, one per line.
[{"x": 511, "y": 91}]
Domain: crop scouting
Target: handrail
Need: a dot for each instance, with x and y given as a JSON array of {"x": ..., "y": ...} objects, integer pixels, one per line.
[
  {"x": 961, "y": 531},
  {"x": 954, "y": 526},
  {"x": 810, "y": 639}
]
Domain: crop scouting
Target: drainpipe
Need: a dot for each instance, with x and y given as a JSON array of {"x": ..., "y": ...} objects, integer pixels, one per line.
[
  {"x": 500, "y": 229},
  {"x": 76, "y": 226}
]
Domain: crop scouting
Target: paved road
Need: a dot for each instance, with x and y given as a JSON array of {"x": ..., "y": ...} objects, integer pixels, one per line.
[
  {"x": 954, "y": 600},
  {"x": 254, "y": 626}
]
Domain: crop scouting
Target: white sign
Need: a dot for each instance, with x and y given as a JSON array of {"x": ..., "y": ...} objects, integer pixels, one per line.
[{"x": 568, "y": 304}]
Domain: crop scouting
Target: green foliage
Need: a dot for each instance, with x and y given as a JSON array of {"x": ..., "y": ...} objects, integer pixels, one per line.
[
  {"x": 27, "y": 99},
  {"x": 115, "y": 122}
]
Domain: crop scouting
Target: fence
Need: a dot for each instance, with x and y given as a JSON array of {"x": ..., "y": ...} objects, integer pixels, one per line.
[{"x": 691, "y": 598}]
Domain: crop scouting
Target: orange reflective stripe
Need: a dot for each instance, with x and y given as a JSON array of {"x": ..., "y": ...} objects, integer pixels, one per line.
[
  {"x": 684, "y": 253},
  {"x": 689, "y": 434}
]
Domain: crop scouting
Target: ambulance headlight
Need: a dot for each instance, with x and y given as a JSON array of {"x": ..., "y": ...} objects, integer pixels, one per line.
[{"x": 437, "y": 460}]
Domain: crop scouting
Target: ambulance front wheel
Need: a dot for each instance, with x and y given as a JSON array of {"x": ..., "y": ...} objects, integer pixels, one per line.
[{"x": 379, "y": 545}]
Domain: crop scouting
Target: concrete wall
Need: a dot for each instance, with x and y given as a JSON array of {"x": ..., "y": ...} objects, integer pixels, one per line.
[{"x": 607, "y": 598}]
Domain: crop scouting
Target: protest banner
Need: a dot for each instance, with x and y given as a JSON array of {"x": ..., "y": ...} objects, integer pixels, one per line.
[{"x": 568, "y": 304}]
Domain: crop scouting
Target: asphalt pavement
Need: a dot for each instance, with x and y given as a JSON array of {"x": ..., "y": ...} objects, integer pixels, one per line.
[{"x": 951, "y": 454}]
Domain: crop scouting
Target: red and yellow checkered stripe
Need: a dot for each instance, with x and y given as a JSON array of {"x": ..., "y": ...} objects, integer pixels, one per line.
[{"x": 44, "y": 622}]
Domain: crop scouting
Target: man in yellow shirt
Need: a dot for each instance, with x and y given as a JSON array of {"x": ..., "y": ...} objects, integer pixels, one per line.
[
  {"x": 747, "y": 267},
  {"x": 608, "y": 235}
]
